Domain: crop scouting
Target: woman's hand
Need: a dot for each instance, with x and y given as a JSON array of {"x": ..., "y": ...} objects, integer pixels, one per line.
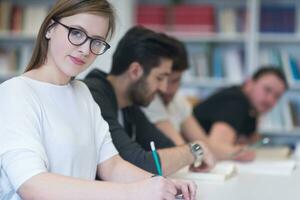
[
  {"x": 160, "y": 188},
  {"x": 187, "y": 188}
]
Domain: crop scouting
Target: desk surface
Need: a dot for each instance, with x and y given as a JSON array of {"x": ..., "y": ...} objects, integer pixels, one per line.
[{"x": 252, "y": 187}]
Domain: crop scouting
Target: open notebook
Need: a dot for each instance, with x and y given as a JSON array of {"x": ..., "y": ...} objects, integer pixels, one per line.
[
  {"x": 221, "y": 172},
  {"x": 269, "y": 160}
]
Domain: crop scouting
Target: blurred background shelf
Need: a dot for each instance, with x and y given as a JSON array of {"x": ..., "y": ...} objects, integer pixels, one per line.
[{"x": 227, "y": 41}]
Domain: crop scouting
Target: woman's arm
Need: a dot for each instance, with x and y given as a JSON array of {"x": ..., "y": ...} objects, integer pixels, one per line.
[
  {"x": 47, "y": 186},
  {"x": 113, "y": 170},
  {"x": 119, "y": 170}
]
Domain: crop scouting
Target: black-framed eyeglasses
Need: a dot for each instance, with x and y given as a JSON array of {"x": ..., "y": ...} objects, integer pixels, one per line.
[{"x": 78, "y": 37}]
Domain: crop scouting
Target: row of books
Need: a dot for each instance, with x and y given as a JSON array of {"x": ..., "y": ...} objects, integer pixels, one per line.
[
  {"x": 283, "y": 117},
  {"x": 228, "y": 63},
  {"x": 289, "y": 62},
  {"x": 17, "y": 18},
  {"x": 217, "y": 63},
  {"x": 184, "y": 17},
  {"x": 13, "y": 60},
  {"x": 208, "y": 18}
]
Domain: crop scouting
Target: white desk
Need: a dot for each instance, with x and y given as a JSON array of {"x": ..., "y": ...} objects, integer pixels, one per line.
[{"x": 252, "y": 187}]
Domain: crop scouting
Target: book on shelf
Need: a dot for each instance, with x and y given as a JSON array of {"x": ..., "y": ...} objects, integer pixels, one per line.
[
  {"x": 5, "y": 15},
  {"x": 198, "y": 17},
  {"x": 21, "y": 18},
  {"x": 33, "y": 18},
  {"x": 287, "y": 115},
  {"x": 294, "y": 105},
  {"x": 270, "y": 57},
  {"x": 16, "y": 18},
  {"x": 199, "y": 62},
  {"x": 233, "y": 66},
  {"x": 220, "y": 173},
  {"x": 291, "y": 68},
  {"x": 232, "y": 20},
  {"x": 273, "y": 120},
  {"x": 217, "y": 63},
  {"x": 278, "y": 18},
  {"x": 227, "y": 20},
  {"x": 13, "y": 60},
  {"x": 8, "y": 62},
  {"x": 201, "y": 65},
  {"x": 181, "y": 18},
  {"x": 152, "y": 16}
]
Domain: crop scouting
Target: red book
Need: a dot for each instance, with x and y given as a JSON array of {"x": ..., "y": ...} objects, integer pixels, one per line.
[
  {"x": 151, "y": 15},
  {"x": 16, "y": 19},
  {"x": 194, "y": 17}
]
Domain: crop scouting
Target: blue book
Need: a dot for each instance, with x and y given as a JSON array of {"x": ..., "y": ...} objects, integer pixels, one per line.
[
  {"x": 294, "y": 68},
  {"x": 217, "y": 64},
  {"x": 278, "y": 18}
]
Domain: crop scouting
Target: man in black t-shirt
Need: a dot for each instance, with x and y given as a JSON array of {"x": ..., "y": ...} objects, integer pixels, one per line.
[{"x": 230, "y": 115}]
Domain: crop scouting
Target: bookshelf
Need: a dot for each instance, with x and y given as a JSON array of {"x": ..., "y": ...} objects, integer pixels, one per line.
[
  {"x": 247, "y": 45},
  {"x": 246, "y": 33},
  {"x": 19, "y": 24}
]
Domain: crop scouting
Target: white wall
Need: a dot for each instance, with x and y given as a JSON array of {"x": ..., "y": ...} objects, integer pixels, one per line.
[{"x": 124, "y": 20}]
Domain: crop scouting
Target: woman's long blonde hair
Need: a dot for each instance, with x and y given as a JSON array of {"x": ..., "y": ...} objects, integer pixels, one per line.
[{"x": 65, "y": 8}]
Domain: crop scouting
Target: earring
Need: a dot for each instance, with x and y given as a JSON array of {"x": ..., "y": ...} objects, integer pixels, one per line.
[{"x": 47, "y": 36}]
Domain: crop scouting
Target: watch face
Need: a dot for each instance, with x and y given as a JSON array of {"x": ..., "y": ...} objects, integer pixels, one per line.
[
  {"x": 197, "y": 148},
  {"x": 197, "y": 151}
]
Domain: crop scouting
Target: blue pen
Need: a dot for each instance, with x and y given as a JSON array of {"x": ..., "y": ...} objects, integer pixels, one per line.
[{"x": 155, "y": 156}]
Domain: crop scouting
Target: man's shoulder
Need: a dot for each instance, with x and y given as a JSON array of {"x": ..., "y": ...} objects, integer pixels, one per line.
[
  {"x": 101, "y": 90},
  {"x": 96, "y": 79},
  {"x": 224, "y": 99},
  {"x": 98, "y": 84},
  {"x": 233, "y": 93}
]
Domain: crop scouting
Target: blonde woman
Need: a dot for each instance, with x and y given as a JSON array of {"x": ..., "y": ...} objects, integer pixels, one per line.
[{"x": 54, "y": 141}]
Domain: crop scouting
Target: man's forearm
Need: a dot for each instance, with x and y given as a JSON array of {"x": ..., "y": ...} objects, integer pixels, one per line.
[{"x": 173, "y": 159}]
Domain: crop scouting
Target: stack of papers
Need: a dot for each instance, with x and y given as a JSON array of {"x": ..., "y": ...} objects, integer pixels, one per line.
[
  {"x": 221, "y": 172},
  {"x": 273, "y": 153},
  {"x": 269, "y": 160},
  {"x": 268, "y": 167}
]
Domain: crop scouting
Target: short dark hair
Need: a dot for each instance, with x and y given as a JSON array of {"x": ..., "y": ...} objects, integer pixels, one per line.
[
  {"x": 265, "y": 70},
  {"x": 143, "y": 46},
  {"x": 180, "y": 62}
]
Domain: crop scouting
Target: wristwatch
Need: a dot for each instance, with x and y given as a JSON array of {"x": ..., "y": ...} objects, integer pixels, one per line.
[{"x": 197, "y": 152}]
